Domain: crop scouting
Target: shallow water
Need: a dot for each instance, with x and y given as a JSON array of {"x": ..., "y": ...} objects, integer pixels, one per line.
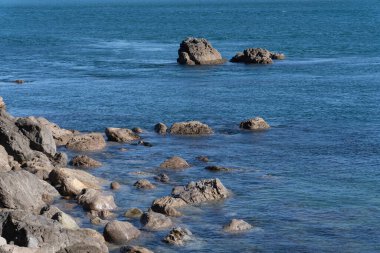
[{"x": 310, "y": 184}]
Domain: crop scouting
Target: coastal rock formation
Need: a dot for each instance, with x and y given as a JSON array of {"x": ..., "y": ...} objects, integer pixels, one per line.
[
  {"x": 54, "y": 213},
  {"x": 4, "y": 160},
  {"x": 168, "y": 206},
  {"x": 23, "y": 190},
  {"x": 134, "y": 249},
  {"x": 198, "y": 51},
  {"x": 95, "y": 200},
  {"x": 121, "y": 134},
  {"x": 61, "y": 136},
  {"x": 153, "y": 221},
  {"x": 160, "y": 128},
  {"x": 120, "y": 232},
  {"x": 236, "y": 225},
  {"x": 37, "y": 231},
  {"x": 86, "y": 142},
  {"x": 255, "y": 124},
  {"x": 257, "y": 56},
  {"x": 84, "y": 161},
  {"x": 178, "y": 236},
  {"x": 40, "y": 165},
  {"x": 190, "y": 128},
  {"x": 144, "y": 184},
  {"x": 174, "y": 162},
  {"x": 201, "y": 191},
  {"x": 71, "y": 182}
]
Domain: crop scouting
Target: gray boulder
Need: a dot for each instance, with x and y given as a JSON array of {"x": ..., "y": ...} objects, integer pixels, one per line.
[
  {"x": 134, "y": 249},
  {"x": 95, "y": 200},
  {"x": 120, "y": 232},
  {"x": 86, "y": 142},
  {"x": 168, "y": 205},
  {"x": 54, "y": 213},
  {"x": 60, "y": 135},
  {"x": 257, "y": 56},
  {"x": 4, "y": 160},
  {"x": 236, "y": 225},
  {"x": 144, "y": 184},
  {"x": 190, "y": 128},
  {"x": 198, "y": 51},
  {"x": 153, "y": 221},
  {"x": 121, "y": 134}
]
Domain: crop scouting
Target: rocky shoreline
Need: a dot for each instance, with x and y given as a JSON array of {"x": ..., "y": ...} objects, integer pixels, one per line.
[{"x": 34, "y": 175}]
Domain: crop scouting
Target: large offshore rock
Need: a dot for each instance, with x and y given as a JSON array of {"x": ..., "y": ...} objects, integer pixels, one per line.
[
  {"x": 255, "y": 124},
  {"x": 60, "y": 135},
  {"x": 257, "y": 56},
  {"x": 37, "y": 231},
  {"x": 190, "y": 128},
  {"x": 23, "y": 190},
  {"x": 120, "y": 232},
  {"x": 198, "y": 51},
  {"x": 95, "y": 200},
  {"x": 86, "y": 142},
  {"x": 121, "y": 134},
  {"x": 71, "y": 182}
]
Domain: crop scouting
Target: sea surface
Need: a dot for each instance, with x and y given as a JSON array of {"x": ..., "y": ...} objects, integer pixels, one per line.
[{"x": 309, "y": 184}]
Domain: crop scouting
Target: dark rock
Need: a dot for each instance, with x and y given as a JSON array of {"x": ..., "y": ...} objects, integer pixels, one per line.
[
  {"x": 204, "y": 159},
  {"x": 145, "y": 143},
  {"x": 160, "y": 128},
  {"x": 153, "y": 221},
  {"x": 174, "y": 162},
  {"x": 162, "y": 178},
  {"x": 190, "y": 128},
  {"x": 256, "y": 124},
  {"x": 144, "y": 184},
  {"x": 86, "y": 142},
  {"x": 256, "y": 56},
  {"x": 115, "y": 186},
  {"x": 120, "y": 232},
  {"x": 95, "y": 200},
  {"x": 198, "y": 51},
  {"x": 178, "y": 236},
  {"x": 217, "y": 168},
  {"x": 84, "y": 161},
  {"x": 134, "y": 249},
  {"x": 19, "y": 81},
  {"x": 137, "y": 130},
  {"x": 236, "y": 225},
  {"x": 121, "y": 134}
]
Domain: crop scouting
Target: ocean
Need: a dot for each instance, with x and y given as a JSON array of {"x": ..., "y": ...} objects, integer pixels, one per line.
[{"x": 309, "y": 184}]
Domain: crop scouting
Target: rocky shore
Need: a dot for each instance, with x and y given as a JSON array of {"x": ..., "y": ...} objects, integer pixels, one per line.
[{"x": 34, "y": 175}]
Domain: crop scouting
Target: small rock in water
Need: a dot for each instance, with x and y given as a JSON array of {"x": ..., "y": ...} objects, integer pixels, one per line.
[
  {"x": 97, "y": 221},
  {"x": 123, "y": 149},
  {"x": 257, "y": 56},
  {"x": 162, "y": 178},
  {"x": 190, "y": 128},
  {"x": 155, "y": 221},
  {"x": 178, "y": 236},
  {"x": 160, "y": 128},
  {"x": 174, "y": 162},
  {"x": 145, "y": 143},
  {"x": 84, "y": 161},
  {"x": 168, "y": 206},
  {"x": 120, "y": 232},
  {"x": 86, "y": 142},
  {"x": 2, "y": 104},
  {"x": 137, "y": 130},
  {"x": 236, "y": 225},
  {"x": 95, "y": 200},
  {"x": 256, "y": 124},
  {"x": 217, "y": 168},
  {"x": 134, "y": 249},
  {"x": 133, "y": 213},
  {"x": 121, "y": 134},
  {"x": 115, "y": 186},
  {"x": 144, "y": 184},
  {"x": 19, "y": 81},
  {"x": 202, "y": 158}
]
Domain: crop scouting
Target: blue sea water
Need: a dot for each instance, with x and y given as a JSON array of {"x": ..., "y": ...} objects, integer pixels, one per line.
[{"x": 310, "y": 184}]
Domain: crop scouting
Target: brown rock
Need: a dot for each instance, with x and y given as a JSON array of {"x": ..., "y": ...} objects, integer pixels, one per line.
[
  {"x": 121, "y": 134},
  {"x": 168, "y": 206},
  {"x": 120, "y": 232},
  {"x": 144, "y": 184},
  {"x": 60, "y": 135},
  {"x": 204, "y": 159},
  {"x": 134, "y": 249},
  {"x": 217, "y": 168},
  {"x": 86, "y": 142},
  {"x": 190, "y": 128},
  {"x": 84, "y": 161},
  {"x": 115, "y": 186},
  {"x": 257, "y": 56},
  {"x": 137, "y": 130},
  {"x": 133, "y": 213},
  {"x": 174, "y": 162},
  {"x": 162, "y": 177},
  {"x": 153, "y": 221},
  {"x": 160, "y": 128},
  {"x": 256, "y": 124}
]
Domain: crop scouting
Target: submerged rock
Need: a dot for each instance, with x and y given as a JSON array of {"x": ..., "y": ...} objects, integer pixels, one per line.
[
  {"x": 257, "y": 56},
  {"x": 198, "y": 51},
  {"x": 133, "y": 213},
  {"x": 86, "y": 142},
  {"x": 95, "y": 200},
  {"x": 217, "y": 168},
  {"x": 174, "y": 162},
  {"x": 162, "y": 177},
  {"x": 115, "y": 186},
  {"x": 203, "y": 158},
  {"x": 120, "y": 232},
  {"x": 84, "y": 161},
  {"x": 121, "y": 134},
  {"x": 255, "y": 124},
  {"x": 178, "y": 236},
  {"x": 144, "y": 184},
  {"x": 236, "y": 225},
  {"x": 168, "y": 206},
  {"x": 160, "y": 128},
  {"x": 134, "y": 249},
  {"x": 190, "y": 128},
  {"x": 153, "y": 221}
]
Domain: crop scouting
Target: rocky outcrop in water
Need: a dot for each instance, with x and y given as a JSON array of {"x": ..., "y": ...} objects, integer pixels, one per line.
[
  {"x": 144, "y": 184},
  {"x": 61, "y": 136},
  {"x": 178, "y": 236},
  {"x": 257, "y": 56},
  {"x": 190, "y": 128},
  {"x": 94, "y": 200},
  {"x": 236, "y": 225},
  {"x": 84, "y": 161},
  {"x": 198, "y": 51},
  {"x": 121, "y": 134},
  {"x": 160, "y": 128},
  {"x": 174, "y": 162},
  {"x": 255, "y": 124},
  {"x": 168, "y": 205},
  {"x": 86, "y": 142},
  {"x": 153, "y": 221},
  {"x": 120, "y": 232}
]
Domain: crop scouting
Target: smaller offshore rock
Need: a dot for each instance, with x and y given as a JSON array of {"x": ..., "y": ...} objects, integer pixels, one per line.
[
  {"x": 84, "y": 161},
  {"x": 134, "y": 249},
  {"x": 115, "y": 186},
  {"x": 133, "y": 213},
  {"x": 174, "y": 162},
  {"x": 255, "y": 124},
  {"x": 215, "y": 168},
  {"x": 236, "y": 225},
  {"x": 162, "y": 177},
  {"x": 144, "y": 184},
  {"x": 86, "y": 142},
  {"x": 257, "y": 56},
  {"x": 168, "y": 205},
  {"x": 121, "y": 134},
  {"x": 190, "y": 128},
  {"x": 178, "y": 236},
  {"x": 153, "y": 221},
  {"x": 160, "y": 128},
  {"x": 95, "y": 200},
  {"x": 120, "y": 232},
  {"x": 137, "y": 130}
]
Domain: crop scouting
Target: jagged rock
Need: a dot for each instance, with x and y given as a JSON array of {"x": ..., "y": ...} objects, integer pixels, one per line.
[
  {"x": 167, "y": 205},
  {"x": 215, "y": 168},
  {"x": 133, "y": 213},
  {"x": 174, "y": 162},
  {"x": 120, "y": 232},
  {"x": 236, "y": 225},
  {"x": 190, "y": 128},
  {"x": 134, "y": 249},
  {"x": 257, "y": 56},
  {"x": 178, "y": 236},
  {"x": 60, "y": 135},
  {"x": 121, "y": 134},
  {"x": 160, "y": 128},
  {"x": 137, "y": 130},
  {"x": 144, "y": 184},
  {"x": 41, "y": 138},
  {"x": 37, "y": 231},
  {"x": 162, "y": 177},
  {"x": 153, "y": 221},
  {"x": 4, "y": 161},
  {"x": 198, "y": 51},
  {"x": 115, "y": 186},
  {"x": 23, "y": 190},
  {"x": 54, "y": 213},
  {"x": 84, "y": 161},
  {"x": 86, "y": 142},
  {"x": 92, "y": 199},
  {"x": 71, "y": 182},
  {"x": 256, "y": 124},
  {"x": 201, "y": 191}
]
